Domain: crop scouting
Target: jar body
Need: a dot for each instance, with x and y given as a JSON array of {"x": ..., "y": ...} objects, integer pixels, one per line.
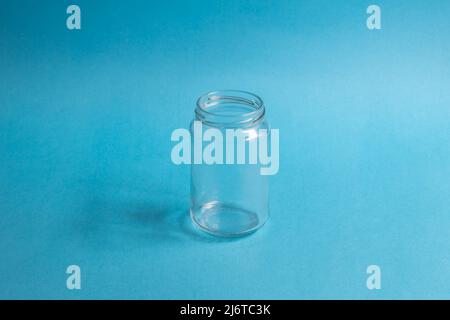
[{"x": 229, "y": 197}]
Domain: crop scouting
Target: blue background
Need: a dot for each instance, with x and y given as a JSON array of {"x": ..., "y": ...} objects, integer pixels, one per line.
[{"x": 85, "y": 170}]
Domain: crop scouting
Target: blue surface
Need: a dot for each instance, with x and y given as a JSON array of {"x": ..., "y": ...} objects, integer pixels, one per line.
[{"x": 85, "y": 170}]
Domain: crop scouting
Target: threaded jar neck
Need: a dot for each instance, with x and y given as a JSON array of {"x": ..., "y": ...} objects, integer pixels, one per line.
[{"x": 230, "y": 108}]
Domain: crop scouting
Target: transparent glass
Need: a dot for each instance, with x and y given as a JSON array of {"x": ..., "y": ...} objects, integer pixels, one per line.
[{"x": 229, "y": 199}]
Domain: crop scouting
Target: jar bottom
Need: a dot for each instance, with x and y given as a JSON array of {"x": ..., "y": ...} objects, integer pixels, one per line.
[{"x": 226, "y": 220}]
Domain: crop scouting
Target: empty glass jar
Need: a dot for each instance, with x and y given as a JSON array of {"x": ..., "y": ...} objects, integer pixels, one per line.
[{"x": 229, "y": 195}]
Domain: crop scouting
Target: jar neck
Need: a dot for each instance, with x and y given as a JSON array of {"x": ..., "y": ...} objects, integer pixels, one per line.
[{"x": 230, "y": 108}]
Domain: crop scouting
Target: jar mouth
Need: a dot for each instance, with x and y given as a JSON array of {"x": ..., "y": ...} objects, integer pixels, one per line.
[{"x": 230, "y": 108}]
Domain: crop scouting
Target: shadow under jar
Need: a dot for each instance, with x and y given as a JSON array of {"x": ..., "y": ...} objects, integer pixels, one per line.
[{"x": 229, "y": 197}]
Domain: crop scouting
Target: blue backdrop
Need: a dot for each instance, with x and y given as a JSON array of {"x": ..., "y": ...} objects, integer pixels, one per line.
[{"x": 86, "y": 176}]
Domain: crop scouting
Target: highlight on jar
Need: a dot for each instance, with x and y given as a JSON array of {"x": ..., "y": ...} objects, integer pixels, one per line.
[{"x": 232, "y": 152}]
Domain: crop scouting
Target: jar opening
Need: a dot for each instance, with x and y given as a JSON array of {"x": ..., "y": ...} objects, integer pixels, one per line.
[{"x": 229, "y": 108}]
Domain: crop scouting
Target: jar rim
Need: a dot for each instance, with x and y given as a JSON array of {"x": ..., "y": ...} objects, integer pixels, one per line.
[{"x": 251, "y": 109}]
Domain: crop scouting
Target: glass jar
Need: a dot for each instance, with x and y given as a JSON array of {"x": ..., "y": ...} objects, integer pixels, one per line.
[{"x": 229, "y": 195}]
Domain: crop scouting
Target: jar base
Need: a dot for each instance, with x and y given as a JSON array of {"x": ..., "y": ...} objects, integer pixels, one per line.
[{"x": 225, "y": 220}]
